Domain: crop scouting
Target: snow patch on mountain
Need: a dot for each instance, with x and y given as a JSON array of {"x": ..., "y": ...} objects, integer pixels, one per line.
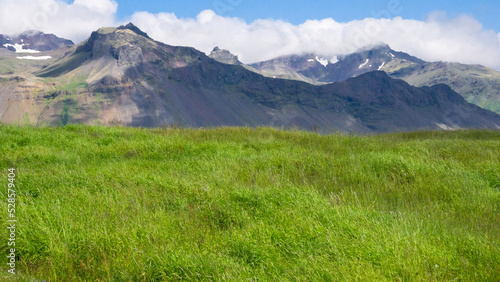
[
  {"x": 364, "y": 64},
  {"x": 392, "y": 55},
  {"x": 322, "y": 61},
  {"x": 334, "y": 60},
  {"x": 34, "y": 58},
  {"x": 381, "y": 66},
  {"x": 19, "y": 48},
  {"x": 310, "y": 60}
]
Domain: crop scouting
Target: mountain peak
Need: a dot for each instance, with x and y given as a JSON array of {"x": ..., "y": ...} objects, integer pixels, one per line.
[
  {"x": 30, "y": 33},
  {"x": 224, "y": 56},
  {"x": 132, "y": 27},
  {"x": 125, "y": 44},
  {"x": 383, "y": 47},
  {"x": 110, "y": 39},
  {"x": 380, "y": 46}
]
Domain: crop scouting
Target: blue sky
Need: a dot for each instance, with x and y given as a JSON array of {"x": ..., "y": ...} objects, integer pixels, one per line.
[{"x": 297, "y": 11}]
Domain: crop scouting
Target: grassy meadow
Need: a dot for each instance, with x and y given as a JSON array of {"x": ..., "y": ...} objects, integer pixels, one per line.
[{"x": 240, "y": 204}]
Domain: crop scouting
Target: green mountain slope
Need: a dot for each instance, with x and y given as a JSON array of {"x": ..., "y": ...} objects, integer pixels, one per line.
[
  {"x": 477, "y": 84},
  {"x": 252, "y": 204}
]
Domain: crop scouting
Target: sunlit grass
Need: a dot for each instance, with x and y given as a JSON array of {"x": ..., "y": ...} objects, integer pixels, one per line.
[{"x": 115, "y": 203}]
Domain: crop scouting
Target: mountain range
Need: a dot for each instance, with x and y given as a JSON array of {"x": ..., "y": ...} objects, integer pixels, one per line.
[
  {"x": 33, "y": 42},
  {"x": 122, "y": 76},
  {"x": 477, "y": 84}
]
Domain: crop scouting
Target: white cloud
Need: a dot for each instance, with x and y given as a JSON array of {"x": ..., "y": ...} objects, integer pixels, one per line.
[
  {"x": 461, "y": 39},
  {"x": 69, "y": 20},
  {"x": 100, "y": 6}
]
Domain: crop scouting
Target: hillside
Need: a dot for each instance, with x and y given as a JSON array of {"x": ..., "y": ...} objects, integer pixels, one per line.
[
  {"x": 113, "y": 203},
  {"x": 122, "y": 76},
  {"x": 477, "y": 84}
]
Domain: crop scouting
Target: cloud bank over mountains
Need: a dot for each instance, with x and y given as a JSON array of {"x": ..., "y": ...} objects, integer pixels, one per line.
[
  {"x": 73, "y": 20},
  {"x": 461, "y": 39}
]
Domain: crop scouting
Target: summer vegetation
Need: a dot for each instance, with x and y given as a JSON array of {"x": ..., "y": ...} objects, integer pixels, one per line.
[{"x": 129, "y": 204}]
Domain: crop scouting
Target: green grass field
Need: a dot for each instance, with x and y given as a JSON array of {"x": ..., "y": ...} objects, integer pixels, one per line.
[{"x": 240, "y": 204}]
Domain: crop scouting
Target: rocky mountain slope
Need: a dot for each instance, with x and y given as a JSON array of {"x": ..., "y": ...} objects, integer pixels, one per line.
[
  {"x": 477, "y": 84},
  {"x": 122, "y": 76}
]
